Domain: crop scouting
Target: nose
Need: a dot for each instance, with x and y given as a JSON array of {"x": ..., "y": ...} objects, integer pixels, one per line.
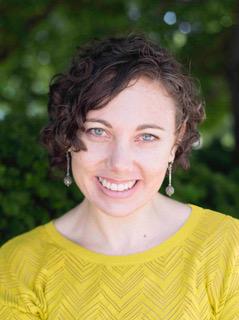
[{"x": 120, "y": 158}]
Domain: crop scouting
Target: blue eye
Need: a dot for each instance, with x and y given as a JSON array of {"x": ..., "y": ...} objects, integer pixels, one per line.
[
  {"x": 95, "y": 130},
  {"x": 98, "y": 132},
  {"x": 152, "y": 137}
]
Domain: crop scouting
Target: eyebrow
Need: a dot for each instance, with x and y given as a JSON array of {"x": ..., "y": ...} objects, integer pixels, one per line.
[{"x": 140, "y": 127}]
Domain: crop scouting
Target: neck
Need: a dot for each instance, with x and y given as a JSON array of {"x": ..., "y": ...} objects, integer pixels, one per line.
[{"x": 117, "y": 234}]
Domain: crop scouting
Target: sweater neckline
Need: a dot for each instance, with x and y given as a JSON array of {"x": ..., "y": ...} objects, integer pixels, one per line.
[{"x": 143, "y": 256}]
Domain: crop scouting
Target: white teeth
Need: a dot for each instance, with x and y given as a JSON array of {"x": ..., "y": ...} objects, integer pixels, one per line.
[{"x": 116, "y": 187}]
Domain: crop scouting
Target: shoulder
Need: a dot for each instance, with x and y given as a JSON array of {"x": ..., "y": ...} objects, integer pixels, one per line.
[
  {"x": 215, "y": 216},
  {"x": 219, "y": 233},
  {"x": 24, "y": 274},
  {"x": 214, "y": 233},
  {"x": 220, "y": 260},
  {"x": 29, "y": 248},
  {"x": 222, "y": 219},
  {"x": 27, "y": 239}
]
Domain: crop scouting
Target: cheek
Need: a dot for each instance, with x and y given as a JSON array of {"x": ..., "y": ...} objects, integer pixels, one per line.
[
  {"x": 82, "y": 167},
  {"x": 155, "y": 170},
  {"x": 88, "y": 158},
  {"x": 156, "y": 157},
  {"x": 155, "y": 163},
  {"x": 82, "y": 163},
  {"x": 95, "y": 152}
]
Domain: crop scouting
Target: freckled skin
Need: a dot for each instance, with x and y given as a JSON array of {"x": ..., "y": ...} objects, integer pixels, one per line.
[{"x": 123, "y": 153}]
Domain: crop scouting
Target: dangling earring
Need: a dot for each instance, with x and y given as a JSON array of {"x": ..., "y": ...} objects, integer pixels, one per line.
[
  {"x": 170, "y": 189},
  {"x": 68, "y": 179}
]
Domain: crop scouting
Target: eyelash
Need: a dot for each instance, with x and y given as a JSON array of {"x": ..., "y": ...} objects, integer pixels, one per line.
[{"x": 148, "y": 134}]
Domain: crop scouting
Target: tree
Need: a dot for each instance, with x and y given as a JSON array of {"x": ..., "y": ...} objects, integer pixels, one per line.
[{"x": 38, "y": 39}]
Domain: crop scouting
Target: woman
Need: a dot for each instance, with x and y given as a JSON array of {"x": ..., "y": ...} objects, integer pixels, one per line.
[{"x": 120, "y": 119}]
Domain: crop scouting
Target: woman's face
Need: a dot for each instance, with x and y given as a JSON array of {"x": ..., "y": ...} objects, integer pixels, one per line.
[{"x": 119, "y": 151}]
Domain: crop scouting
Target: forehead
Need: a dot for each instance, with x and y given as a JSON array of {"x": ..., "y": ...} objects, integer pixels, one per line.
[{"x": 142, "y": 101}]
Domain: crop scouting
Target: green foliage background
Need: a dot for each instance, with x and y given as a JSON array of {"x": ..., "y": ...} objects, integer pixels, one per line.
[{"x": 38, "y": 40}]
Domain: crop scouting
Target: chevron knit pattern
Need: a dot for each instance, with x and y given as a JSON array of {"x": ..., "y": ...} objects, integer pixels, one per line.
[{"x": 194, "y": 275}]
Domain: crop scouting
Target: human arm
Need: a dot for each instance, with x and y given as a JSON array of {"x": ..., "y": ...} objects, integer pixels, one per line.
[
  {"x": 20, "y": 297},
  {"x": 230, "y": 301},
  {"x": 224, "y": 288}
]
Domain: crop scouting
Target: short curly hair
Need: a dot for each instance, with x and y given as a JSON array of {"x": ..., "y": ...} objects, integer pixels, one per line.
[{"x": 99, "y": 71}]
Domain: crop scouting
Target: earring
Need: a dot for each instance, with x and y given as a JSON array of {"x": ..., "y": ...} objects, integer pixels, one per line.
[
  {"x": 68, "y": 179},
  {"x": 170, "y": 189}
]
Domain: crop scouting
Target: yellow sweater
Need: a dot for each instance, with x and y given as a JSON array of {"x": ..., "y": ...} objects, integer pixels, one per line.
[{"x": 193, "y": 275}]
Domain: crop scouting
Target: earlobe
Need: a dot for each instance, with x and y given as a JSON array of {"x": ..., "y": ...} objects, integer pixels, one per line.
[
  {"x": 172, "y": 153},
  {"x": 177, "y": 142}
]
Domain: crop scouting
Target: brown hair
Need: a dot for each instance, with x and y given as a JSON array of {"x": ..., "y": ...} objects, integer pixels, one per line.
[{"x": 98, "y": 72}]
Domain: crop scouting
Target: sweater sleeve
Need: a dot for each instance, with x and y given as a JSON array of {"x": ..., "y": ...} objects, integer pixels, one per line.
[
  {"x": 230, "y": 309},
  {"x": 20, "y": 296},
  {"x": 226, "y": 280}
]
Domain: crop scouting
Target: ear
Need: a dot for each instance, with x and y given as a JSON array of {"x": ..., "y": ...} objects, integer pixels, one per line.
[
  {"x": 181, "y": 132},
  {"x": 172, "y": 153},
  {"x": 177, "y": 142}
]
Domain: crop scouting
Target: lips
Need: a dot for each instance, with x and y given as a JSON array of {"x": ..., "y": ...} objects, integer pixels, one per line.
[
  {"x": 117, "y": 181},
  {"x": 117, "y": 187},
  {"x": 118, "y": 194}
]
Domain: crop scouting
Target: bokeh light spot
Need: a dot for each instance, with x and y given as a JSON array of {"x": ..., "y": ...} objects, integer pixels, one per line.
[
  {"x": 185, "y": 27},
  {"x": 170, "y": 17},
  {"x": 179, "y": 39}
]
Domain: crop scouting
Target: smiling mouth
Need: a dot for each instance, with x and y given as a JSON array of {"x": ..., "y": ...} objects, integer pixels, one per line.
[
  {"x": 123, "y": 181},
  {"x": 118, "y": 187}
]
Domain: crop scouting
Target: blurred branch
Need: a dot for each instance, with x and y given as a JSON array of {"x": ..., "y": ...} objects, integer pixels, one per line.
[
  {"x": 33, "y": 21},
  {"x": 29, "y": 24}
]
